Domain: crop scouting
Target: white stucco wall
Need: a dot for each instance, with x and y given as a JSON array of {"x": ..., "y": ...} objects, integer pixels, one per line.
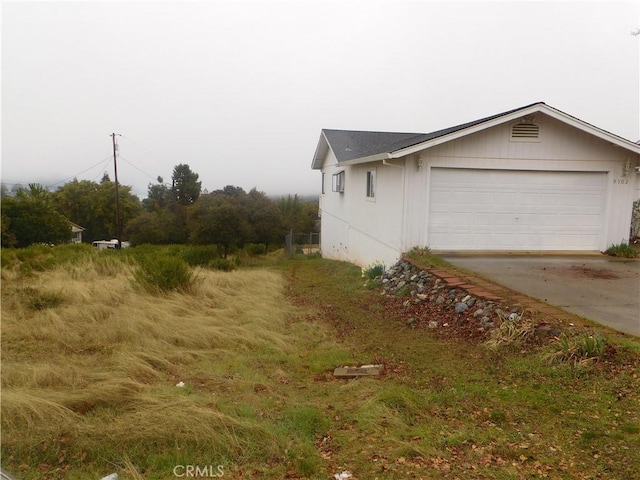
[{"x": 560, "y": 148}]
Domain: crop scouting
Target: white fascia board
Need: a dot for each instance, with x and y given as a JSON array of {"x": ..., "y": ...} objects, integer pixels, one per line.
[
  {"x": 321, "y": 152},
  {"x": 371, "y": 158},
  {"x": 538, "y": 108}
]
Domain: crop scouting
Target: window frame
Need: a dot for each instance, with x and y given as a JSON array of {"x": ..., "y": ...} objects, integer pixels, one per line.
[
  {"x": 338, "y": 181},
  {"x": 371, "y": 184}
]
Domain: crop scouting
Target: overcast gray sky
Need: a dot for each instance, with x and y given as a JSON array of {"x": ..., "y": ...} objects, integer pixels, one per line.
[{"x": 240, "y": 90}]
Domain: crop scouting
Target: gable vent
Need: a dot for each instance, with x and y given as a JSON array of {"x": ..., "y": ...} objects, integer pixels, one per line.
[{"x": 525, "y": 131}]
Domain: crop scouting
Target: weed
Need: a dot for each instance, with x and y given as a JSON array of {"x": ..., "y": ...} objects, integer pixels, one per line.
[
  {"x": 622, "y": 250},
  {"x": 42, "y": 300},
  {"x": 417, "y": 252},
  {"x": 577, "y": 350},
  {"x": 373, "y": 271},
  {"x": 511, "y": 333},
  {"x": 404, "y": 291}
]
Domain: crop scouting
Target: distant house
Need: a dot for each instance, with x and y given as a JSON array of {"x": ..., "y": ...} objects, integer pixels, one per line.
[
  {"x": 529, "y": 179},
  {"x": 76, "y": 233}
]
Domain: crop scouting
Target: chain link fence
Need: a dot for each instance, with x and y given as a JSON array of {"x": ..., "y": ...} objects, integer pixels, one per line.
[{"x": 302, "y": 243}]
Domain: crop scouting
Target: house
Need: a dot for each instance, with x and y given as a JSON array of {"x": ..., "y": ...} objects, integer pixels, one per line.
[
  {"x": 76, "y": 233},
  {"x": 529, "y": 179}
]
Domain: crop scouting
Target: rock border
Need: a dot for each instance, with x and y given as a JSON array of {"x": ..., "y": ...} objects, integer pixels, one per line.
[{"x": 467, "y": 303}]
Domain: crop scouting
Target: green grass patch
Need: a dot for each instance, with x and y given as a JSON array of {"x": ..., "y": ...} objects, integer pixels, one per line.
[{"x": 622, "y": 250}]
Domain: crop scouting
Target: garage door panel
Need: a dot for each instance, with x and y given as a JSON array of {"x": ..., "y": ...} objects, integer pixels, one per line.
[{"x": 515, "y": 210}]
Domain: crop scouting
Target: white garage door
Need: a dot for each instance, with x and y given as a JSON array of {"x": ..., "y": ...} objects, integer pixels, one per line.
[{"x": 515, "y": 210}]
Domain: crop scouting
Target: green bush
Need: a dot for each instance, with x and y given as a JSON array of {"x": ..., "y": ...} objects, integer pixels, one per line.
[
  {"x": 255, "y": 249},
  {"x": 224, "y": 264},
  {"x": 164, "y": 274},
  {"x": 200, "y": 255},
  {"x": 144, "y": 250}
]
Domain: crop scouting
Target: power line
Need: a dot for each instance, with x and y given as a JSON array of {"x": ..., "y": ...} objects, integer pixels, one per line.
[
  {"x": 137, "y": 168},
  {"x": 139, "y": 145},
  {"x": 101, "y": 162},
  {"x": 102, "y": 171}
]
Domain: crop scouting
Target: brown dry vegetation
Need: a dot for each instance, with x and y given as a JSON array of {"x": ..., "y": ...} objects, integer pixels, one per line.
[{"x": 90, "y": 366}]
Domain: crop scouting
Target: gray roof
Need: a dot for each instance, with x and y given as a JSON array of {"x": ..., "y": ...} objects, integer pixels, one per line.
[{"x": 352, "y": 144}]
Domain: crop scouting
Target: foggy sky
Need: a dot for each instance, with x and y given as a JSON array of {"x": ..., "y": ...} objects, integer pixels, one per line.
[{"x": 240, "y": 90}]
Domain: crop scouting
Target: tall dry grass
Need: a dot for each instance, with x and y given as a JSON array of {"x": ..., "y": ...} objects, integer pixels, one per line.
[{"x": 89, "y": 378}]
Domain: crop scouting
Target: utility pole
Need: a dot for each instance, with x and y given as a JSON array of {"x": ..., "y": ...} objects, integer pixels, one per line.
[{"x": 115, "y": 170}]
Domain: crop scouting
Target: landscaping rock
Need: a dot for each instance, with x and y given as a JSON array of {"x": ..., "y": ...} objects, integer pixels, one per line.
[
  {"x": 461, "y": 307},
  {"x": 462, "y": 311}
]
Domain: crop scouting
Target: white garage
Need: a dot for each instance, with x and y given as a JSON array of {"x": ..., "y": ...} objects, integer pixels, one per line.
[{"x": 473, "y": 209}]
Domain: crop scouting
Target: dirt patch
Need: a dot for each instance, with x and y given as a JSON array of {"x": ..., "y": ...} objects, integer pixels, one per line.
[{"x": 586, "y": 272}]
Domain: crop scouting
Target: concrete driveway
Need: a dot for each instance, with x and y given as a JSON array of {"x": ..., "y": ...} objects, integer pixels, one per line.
[{"x": 603, "y": 289}]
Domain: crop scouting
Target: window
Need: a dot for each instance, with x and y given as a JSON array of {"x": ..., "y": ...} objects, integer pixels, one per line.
[
  {"x": 338, "y": 182},
  {"x": 322, "y": 190},
  {"x": 371, "y": 183}
]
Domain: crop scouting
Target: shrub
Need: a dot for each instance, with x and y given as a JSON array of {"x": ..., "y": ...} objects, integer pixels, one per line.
[
  {"x": 224, "y": 264},
  {"x": 200, "y": 254},
  {"x": 622, "y": 250},
  {"x": 164, "y": 274},
  {"x": 255, "y": 249}
]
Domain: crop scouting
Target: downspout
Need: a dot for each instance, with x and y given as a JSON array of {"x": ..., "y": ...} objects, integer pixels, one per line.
[{"x": 403, "y": 232}]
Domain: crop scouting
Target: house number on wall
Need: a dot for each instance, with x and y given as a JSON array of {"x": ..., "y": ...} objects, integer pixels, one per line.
[{"x": 620, "y": 181}]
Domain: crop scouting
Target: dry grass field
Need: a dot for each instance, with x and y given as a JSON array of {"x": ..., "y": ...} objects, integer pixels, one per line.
[{"x": 91, "y": 364}]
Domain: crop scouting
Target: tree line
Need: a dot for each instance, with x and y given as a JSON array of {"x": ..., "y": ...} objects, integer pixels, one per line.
[{"x": 173, "y": 213}]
